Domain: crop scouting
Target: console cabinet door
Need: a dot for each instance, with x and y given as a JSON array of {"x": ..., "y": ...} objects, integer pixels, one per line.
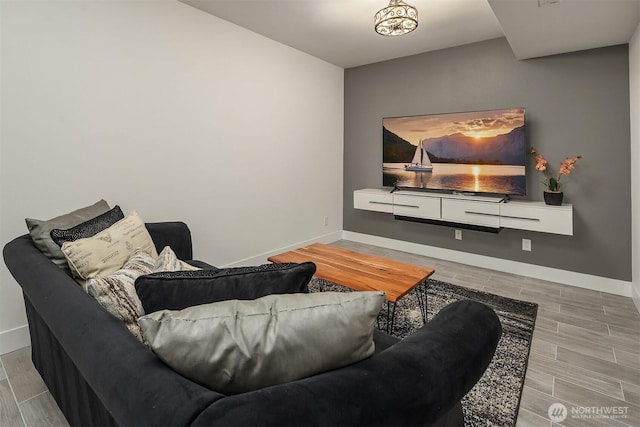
[
  {"x": 373, "y": 200},
  {"x": 471, "y": 212},
  {"x": 537, "y": 217},
  {"x": 416, "y": 206}
]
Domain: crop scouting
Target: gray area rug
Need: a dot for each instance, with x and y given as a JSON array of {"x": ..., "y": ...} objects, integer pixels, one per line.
[{"x": 495, "y": 399}]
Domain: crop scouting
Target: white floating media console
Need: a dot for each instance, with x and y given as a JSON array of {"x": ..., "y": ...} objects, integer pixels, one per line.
[{"x": 476, "y": 212}]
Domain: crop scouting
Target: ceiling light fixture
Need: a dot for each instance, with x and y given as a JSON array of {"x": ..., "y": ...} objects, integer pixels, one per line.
[{"x": 396, "y": 19}]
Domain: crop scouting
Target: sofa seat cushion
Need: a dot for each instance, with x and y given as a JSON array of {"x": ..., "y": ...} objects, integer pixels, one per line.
[
  {"x": 236, "y": 346},
  {"x": 182, "y": 289}
]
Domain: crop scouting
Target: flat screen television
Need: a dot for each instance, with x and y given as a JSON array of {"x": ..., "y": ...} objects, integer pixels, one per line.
[{"x": 471, "y": 152}]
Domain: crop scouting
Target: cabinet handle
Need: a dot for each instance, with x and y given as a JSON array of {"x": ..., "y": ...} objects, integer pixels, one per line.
[
  {"x": 520, "y": 217},
  {"x": 393, "y": 204},
  {"x": 481, "y": 213},
  {"x": 406, "y": 206}
]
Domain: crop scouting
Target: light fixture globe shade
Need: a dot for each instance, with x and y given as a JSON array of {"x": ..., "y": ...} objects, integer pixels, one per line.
[{"x": 396, "y": 19}]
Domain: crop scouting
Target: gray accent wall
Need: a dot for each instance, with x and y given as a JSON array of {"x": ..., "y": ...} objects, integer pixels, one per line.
[{"x": 576, "y": 104}]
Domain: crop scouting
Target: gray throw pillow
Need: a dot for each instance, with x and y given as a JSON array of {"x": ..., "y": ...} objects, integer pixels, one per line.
[
  {"x": 237, "y": 346},
  {"x": 40, "y": 230},
  {"x": 87, "y": 228}
]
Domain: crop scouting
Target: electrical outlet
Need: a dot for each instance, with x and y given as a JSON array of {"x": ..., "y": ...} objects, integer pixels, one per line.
[
  {"x": 526, "y": 245},
  {"x": 325, "y": 220},
  {"x": 458, "y": 234}
]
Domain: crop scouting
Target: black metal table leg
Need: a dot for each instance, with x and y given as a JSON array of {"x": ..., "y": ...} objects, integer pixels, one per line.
[
  {"x": 421, "y": 296},
  {"x": 391, "y": 319}
]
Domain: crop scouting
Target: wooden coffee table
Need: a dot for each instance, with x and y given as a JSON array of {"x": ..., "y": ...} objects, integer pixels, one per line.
[{"x": 363, "y": 272}]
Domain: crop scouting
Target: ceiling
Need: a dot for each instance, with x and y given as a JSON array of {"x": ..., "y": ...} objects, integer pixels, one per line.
[{"x": 341, "y": 31}]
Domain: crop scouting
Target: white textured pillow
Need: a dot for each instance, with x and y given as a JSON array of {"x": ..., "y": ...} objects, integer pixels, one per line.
[
  {"x": 237, "y": 346},
  {"x": 107, "y": 251},
  {"x": 116, "y": 292},
  {"x": 168, "y": 261}
]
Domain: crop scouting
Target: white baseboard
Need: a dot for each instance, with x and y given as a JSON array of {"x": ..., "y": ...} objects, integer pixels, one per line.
[
  {"x": 262, "y": 258},
  {"x": 635, "y": 294},
  {"x": 14, "y": 339},
  {"x": 580, "y": 280}
]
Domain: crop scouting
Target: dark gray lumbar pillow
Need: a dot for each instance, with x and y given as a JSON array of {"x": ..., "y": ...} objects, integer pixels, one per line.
[
  {"x": 182, "y": 289},
  {"x": 88, "y": 228},
  {"x": 237, "y": 346}
]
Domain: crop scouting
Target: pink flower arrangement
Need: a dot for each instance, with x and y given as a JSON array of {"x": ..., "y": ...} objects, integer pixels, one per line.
[{"x": 553, "y": 183}]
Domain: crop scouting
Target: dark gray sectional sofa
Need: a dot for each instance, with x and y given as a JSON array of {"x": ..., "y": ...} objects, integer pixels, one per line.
[{"x": 101, "y": 375}]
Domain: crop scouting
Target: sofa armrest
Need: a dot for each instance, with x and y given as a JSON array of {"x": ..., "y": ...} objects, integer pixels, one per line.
[
  {"x": 174, "y": 234},
  {"x": 130, "y": 381},
  {"x": 414, "y": 382}
]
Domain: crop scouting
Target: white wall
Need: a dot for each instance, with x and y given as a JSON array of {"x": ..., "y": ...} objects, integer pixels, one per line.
[
  {"x": 634, "y": 89},
  {"x": 161, "y": 108}
]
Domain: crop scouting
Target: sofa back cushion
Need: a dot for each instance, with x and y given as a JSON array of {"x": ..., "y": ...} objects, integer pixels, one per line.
[
  {"x": 182, "y": 289},
  {"x": 237, "y": 346}
]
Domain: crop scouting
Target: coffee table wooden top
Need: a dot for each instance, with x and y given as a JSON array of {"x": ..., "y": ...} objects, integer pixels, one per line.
[{"x": 358, "y": 271}]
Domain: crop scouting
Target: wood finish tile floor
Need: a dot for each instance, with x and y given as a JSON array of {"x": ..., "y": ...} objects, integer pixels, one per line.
[{"x": 585, "y": 352}]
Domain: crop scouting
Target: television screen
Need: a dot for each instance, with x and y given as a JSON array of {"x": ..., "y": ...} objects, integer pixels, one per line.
[{"x": 472, "y": 152}]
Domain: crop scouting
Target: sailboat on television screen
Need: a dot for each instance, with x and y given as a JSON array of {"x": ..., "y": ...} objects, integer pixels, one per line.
[{"x": 421, "y": 161}]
